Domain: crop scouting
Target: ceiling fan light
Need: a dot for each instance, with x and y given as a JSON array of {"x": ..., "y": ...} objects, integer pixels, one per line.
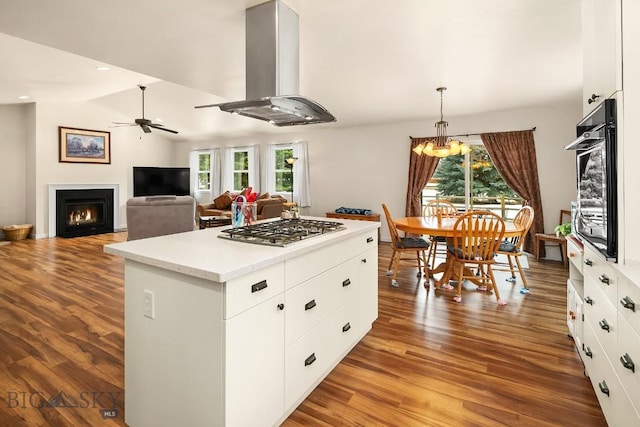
[{"x": 418, "y": 149}]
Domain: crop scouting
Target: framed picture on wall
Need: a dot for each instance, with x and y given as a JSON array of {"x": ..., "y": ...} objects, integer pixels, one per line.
[{"x": 84, "y": 146}]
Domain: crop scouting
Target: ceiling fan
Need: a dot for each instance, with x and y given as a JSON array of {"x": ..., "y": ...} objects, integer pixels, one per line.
[{"x": 146, "y": 124}]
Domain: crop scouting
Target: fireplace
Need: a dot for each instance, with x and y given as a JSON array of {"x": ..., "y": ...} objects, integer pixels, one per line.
[{"x": 82, "y": 212}]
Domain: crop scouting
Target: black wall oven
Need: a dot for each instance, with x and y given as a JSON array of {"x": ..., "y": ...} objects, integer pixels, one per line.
[{"x": 596, "y": 218}]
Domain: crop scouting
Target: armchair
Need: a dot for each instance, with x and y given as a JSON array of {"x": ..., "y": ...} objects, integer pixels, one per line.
[{"x": 159, "y": 215}]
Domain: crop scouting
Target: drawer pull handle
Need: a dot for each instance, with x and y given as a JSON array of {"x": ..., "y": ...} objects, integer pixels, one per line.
[
  {"x": 604, "y": 325},
  {"x": 364, "y": 260},
  {"x": 369, "y": 239},
  {"x": 604, "y": 388},
  {"x": 588, "y": 262},
  {"x": 587, "y": 351},
  {"x": 309, "y": 360},
  {"x": 281, "y": 306},
  {"x": 627, "y": 362},
  {"x": 588, "y": 300},
  {"x": 604, "y": 279},
  {"x": 310, "y": 305},
  {"x": 346, "y": 282},
  {"x": 259, "y": 286},
  {"x": 346, "y": 327},
  {"x": 628, "y": 303}
]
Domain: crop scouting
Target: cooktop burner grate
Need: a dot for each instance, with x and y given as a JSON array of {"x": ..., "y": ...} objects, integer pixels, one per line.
[{"x": 281, "y": 232}]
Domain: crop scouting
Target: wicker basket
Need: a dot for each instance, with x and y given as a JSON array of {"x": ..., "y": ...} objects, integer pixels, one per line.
[{"x": 17, "y": 232}]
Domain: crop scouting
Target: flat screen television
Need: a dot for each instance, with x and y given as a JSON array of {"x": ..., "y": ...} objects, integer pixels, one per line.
[{"x": 158, "y": 181}]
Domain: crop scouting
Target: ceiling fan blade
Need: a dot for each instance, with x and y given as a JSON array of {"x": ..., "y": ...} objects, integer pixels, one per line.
[
  {"x": 160, "y": 127},
  {"x": 122, "y": 123}
]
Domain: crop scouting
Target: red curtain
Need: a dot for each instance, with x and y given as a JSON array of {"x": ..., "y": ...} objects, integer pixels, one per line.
[
  {"x": 514, "y": 156},
  {"x": 421, "y": 169}
]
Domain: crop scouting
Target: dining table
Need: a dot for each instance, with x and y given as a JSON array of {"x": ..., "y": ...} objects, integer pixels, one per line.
[{"x": 442, "y": 227}]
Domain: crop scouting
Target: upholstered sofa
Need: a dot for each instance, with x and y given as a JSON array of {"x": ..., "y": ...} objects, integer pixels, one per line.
[{"x": 267, "y": 206}]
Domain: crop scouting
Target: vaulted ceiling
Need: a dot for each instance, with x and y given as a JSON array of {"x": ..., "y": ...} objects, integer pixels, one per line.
[{"x": 366, "y": 61}]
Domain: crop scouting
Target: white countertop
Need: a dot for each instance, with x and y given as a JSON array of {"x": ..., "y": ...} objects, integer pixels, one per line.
[{"x": 202, "y": 254}]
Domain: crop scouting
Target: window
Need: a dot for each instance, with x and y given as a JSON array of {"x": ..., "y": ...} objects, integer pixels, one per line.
[
  {"x": 204, "y": 171},
  {"x": 283, "y": 172},
  {"x": 280, "y": 178},
  {"x": 471, "y": 181},
  {"x": 240, "y": 170}
]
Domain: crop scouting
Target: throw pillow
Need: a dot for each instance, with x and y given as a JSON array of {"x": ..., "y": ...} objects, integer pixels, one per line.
[
  {"x": 223, "y": 201},
  {"x": 264, "y": 196}
]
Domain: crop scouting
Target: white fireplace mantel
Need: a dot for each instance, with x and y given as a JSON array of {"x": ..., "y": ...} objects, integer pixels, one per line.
[{"x": 52, "y": 201}]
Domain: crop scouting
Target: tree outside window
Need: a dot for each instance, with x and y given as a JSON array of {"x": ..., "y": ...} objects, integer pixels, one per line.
[
  {"x": 204, "y": 171},
  {"x": 282, "y": 170},
  {"x": 240, "y": 170},
  {"x": 487, "y": 188}
]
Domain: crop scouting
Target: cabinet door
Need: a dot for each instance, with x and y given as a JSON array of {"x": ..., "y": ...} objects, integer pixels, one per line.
[
  {"x": 368, "y": 277},
  {"x": 254, "y": 361},
  {"x": 602, "y": 50},
  {"x": 574, "y": 313}
]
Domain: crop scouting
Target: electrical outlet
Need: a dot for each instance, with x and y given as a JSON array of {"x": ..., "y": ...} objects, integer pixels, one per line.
[{"x": 149, "y": 308}]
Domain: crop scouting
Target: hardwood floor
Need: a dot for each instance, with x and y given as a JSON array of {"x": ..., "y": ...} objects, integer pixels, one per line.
[{"x": 427, "y": 361}]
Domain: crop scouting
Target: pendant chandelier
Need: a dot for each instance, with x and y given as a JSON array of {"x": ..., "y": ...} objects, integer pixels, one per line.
[{"x": 442, "y": 146}]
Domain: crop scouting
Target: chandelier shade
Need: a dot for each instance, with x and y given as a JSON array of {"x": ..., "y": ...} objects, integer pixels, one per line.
[{"x": 441, "y": 145}]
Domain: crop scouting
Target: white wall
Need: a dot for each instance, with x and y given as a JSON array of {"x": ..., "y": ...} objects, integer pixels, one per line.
[
  {"x": 363, "y": 167},
  {"x": 13, "y": 165},
  {"x": 33, "y": 130}
]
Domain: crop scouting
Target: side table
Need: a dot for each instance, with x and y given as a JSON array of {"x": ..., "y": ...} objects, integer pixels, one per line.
[
  {"x": 213, "y": 221},
  {"x": 372, "y": 217}
]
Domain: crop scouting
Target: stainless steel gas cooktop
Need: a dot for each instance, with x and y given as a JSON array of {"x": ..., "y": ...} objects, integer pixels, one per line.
[{"x": 282, "y": 232}]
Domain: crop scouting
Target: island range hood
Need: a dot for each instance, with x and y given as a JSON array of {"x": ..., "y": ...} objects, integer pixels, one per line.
[{"x": 272, "y": 69}]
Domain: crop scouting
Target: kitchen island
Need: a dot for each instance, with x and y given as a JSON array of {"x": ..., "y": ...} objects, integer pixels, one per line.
[{"x": 221, "y": 332}]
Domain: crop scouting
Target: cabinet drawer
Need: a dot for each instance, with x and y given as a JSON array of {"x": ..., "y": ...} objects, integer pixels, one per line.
[
  {"x": 311, "y": 302},
  {"x": 629, "y": 302},
  {"x": 602, "y": 316},
  {"x": 602, "y": 273},
  {"x": 574, "y": 254},
  {"x": 304, "y": 267},
  {"x": 251, "y": 289},
  {"x": 615, "y": 403},
  {"x": 629, "y": 353}
]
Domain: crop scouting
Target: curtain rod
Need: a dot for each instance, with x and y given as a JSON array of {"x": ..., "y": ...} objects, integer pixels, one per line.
[{"x": 478, "y": 134}]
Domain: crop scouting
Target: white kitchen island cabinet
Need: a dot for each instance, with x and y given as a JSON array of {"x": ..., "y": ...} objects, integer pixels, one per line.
[{"x": 224, "y": 333}]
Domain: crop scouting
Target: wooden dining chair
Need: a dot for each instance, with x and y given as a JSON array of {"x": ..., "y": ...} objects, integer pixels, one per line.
[
  {"x": 476, "y": 237},
  {"x": 438, "y": 243},
  {"x": 400, "y": 245},
  {"x": 561, "y": 241},
  {"x": 512, "y": 247}
]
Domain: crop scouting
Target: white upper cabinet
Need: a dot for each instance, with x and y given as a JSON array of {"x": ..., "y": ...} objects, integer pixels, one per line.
[{"x": 602, "y": 51}]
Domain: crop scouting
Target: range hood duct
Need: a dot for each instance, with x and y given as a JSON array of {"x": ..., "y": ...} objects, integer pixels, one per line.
[{"x": 272, "y": 69}]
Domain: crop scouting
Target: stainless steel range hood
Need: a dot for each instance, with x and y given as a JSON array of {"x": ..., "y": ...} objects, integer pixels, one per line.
[{"x": 272, "y": 69}]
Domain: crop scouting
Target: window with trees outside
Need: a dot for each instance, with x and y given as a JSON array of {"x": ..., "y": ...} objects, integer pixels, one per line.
[
  {"x": 240, "y": 170},
  {"x": 204, "y": 171},
  {"x": 283, "y": 178},
  {"x": 471, "y": 181}
]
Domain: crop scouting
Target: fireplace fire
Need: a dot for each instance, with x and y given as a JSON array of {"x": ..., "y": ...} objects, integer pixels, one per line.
[
  {"x": 83, "y": 215},
  {"x": 84, "y": 212}
]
